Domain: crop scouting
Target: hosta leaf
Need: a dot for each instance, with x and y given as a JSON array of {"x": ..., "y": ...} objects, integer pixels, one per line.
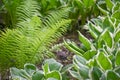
[
  {"x": 75, "y": 74},
  {"x": 30, "y": 68},
  {"x": 111, "y": 75},
  {"x": 103, "y": 61},
  {"x": 109, "y": 4},
  {"x": 53, "y": 65},
  {"x": 54, "y": 74},
  {"x": 45, "y": 68},
  {"x": 80, "y": 62},
  {"x": 107, "y": 23},
  {"x": 107, "y": 37},
  {"x": 66, "y": 68},
  {"x": 116, "y": 7},
  {"x": 94, "y": 30},
  {"x": 96, "y": 73},
  {"x": 79, "y": 59},
  {"x": 105, "y": 12},
  {"x": 116, "y": 14},
  {"x": 117, "y": 36},
  {"x": 38, "y": 75},
  {"x": 85, "y": 41},
  {"x": 73, "y": 49},
  {"x": 118, "y": 58},
  {"x": 19, "y": 74},
  {"x": 89, "y": 54}
]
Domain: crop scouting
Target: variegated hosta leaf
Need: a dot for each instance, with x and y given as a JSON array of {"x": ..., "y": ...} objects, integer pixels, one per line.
[
  {"x": 117, "y": 35},
  {"x": 96, "y": 73},
  {"x": 85, "y": 41},
  {"x": 108, "y": 38},
  {"x": 80, "y": 64},
  {"x": 111, "y": 75},
  {"x": 54, "y": 74},
  {"x": 103, "y": 61},
  {"x": 109, "y": 4},
  {"x": 118, "y": 58}
]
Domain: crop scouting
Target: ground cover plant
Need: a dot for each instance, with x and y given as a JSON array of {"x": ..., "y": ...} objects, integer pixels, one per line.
[{"x": 30, "y": 28}]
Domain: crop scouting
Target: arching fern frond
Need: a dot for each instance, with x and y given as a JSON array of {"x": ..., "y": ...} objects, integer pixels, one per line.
[{"x": 28, "y": 43}]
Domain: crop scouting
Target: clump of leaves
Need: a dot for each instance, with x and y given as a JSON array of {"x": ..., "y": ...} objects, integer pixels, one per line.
[
  {"x": 31, "y": 36},
  {"x": 51, "y": 70},
  {"x": 97, "y": 59}
]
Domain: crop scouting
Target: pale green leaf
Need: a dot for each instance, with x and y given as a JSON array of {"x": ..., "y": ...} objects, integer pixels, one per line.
[
  {"x": 75, "y": 74},
  {"x": 54, "y": 74},
  {"x": 89, "y": 54},
  {"x": 111, "y": 75},
  {"x": 38, "y": 75},
  {"x": 105, "y": 12},
  {"x": 85, "y": 41},
  {"x": 108, "y": 38},
  {"x": 103, "y": 61},
  {"x": 118, "y": 58},
  {"x": 110, "y": 4},
  {"x": 117, "y": 36}
]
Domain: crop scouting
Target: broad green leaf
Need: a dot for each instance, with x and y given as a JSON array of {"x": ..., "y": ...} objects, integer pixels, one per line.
[
  {"x": 30, "y": 68},
  {"x": 103, "y": 61},
  {"x": 68, "y": 45},
  {"x": 96, "y": 73},
  {"x": 66, "y": 68},
  {"x": 75, "y": 74},
  {"x": 118, "y": 58},
  {"x": 38, "y": 75},
  {"x": 111, "y": 75},
  {"x": 45, "y": 68},
  {"x": 89, "y": 54},
  {"x": 85, "y": 41},
  {"x": 94, "y": 30},
  {"x": 88, "y": 3},
  {"x": 54, "y": 74},
  {"x": 80, "y": 63},
  {"x": 79, "y": 59},
  {"x": 109, "y": 4},
  {"x": 116, "y": 7},
  {"x": 107, "y": 37},
  {"x": 117, "y": 36},
  {"x": 108, "y": 24},
  {"x": 116, "y": 14},
  {"x": 105, "y": 12},
  {"x": 19, "y": 74},
  {"x": 53, "y": 65}
]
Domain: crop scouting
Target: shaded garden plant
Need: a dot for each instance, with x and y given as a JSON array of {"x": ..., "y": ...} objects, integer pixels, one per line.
[
  {"x": 31, "y": 36},
  {"x": 97, "y": 59},
  {"x": 51, "y": 70}
]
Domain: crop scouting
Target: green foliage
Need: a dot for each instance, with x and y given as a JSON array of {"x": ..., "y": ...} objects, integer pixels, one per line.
[
  {"x": 19, "y": 11},
  {"x": 97, "y": 59},
  {"x": 51, "y": 70},
  {"x": 33, "y": 35}
]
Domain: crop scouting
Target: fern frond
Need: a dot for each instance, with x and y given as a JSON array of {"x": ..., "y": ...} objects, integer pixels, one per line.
[
  {"x": 20, "y": 10},
  {"x": 28, "y": 43}
]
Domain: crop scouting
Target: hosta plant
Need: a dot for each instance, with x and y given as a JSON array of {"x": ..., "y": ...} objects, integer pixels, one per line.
[
  {"x": 98, "y": 58},
  {"x": 51, "y": 70}
]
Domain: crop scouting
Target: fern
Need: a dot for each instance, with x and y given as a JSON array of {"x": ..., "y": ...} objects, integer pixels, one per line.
[
  {"x": 28, "y": 43},
  {"x": 20, "y": 10}
]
